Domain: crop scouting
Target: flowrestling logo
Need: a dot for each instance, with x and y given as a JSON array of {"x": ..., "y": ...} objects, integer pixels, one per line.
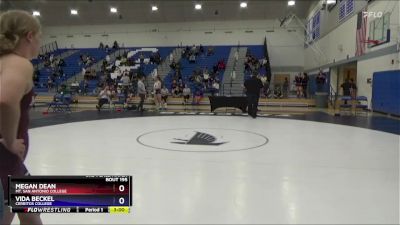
[
  {"x": 372, "y": 14},
  {"x": 202, "y": 140}
]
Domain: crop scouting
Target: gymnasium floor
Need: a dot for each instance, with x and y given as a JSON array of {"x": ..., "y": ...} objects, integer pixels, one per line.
[{"x": 278, "y": 168}]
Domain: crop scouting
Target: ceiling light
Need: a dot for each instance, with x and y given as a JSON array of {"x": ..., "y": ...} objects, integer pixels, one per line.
[
  {"x": 329, "y": 2},
  {"x": 197, "y": 6},
  {"x": 74, "y": 12},
  {"x": 154, "y": 8},
  {"x": 113, "y": 10},
  {"x": 36, "y": 13},
  {"x": 291, "y": 3},
  {"x": 243, "y": 5}
]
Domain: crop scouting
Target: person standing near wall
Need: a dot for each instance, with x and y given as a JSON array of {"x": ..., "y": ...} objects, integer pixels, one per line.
[
  {"x": 304, "y": 84},
  {"x": 353, "y": 89},
  {"x": 141, "y": 89},
  {"x": 20, "y": 37}
]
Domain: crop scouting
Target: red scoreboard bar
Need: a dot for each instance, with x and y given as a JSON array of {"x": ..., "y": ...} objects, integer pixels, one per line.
[{"x": 70, "y": 194}]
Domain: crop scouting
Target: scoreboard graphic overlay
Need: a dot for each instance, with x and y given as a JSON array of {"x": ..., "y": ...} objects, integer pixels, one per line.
[{"x": 70, "y": 194}]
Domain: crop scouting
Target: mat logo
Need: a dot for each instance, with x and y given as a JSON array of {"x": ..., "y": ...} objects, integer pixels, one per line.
[
  {"x": 373, "y": 14},
  {"x": 200, "y": 138}
]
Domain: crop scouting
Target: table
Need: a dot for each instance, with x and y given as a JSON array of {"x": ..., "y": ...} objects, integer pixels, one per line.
[{"x": 239, "y": 102}]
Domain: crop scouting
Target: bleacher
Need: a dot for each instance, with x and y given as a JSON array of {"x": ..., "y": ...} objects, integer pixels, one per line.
[
  {"x": 202, "y": 61},
  {"x": 72, "y": 68}
]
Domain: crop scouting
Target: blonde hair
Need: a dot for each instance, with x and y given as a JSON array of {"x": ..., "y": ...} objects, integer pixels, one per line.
[{"x": 14, "y": 25}]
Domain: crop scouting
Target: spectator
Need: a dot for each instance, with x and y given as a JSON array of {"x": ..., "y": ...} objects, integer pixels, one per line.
[
  {"x": 104, "y": 97},
  {"x": 210, "y": 51},
  {"x": 164, "y": 97},
  {"x": 198, "y": 96},
  {"x": 304, "y": 84},
  {"x": 171, "y": 57},
  {"x": 353, "y": 89},
  {"x": 320, "y": 80},
  {"x": 215, "y": 88},
  {"x": 186, "y": 94},
  {"x": 125, "y": 80},
  {"x": 141, "y": 88},
  {"x": 174, "y": 88},
  {"x": 192, "y": 58},
  {"x": 157, "y": 92},
  {"x": 298, "y": 83},
  {"x": 101, "y": 45},
  {"x": 115, "y": 45},
  {"x": 346, "y": 86},
  {"x": 206, "y": 75},
  {"x": 141, "y": 57}
]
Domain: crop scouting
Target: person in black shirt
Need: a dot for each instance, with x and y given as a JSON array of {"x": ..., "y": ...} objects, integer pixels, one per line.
[
  {"x": 304, "y": 84},
  {"x": 346, "y": 89},
  {"x": 253, "y": 87}
]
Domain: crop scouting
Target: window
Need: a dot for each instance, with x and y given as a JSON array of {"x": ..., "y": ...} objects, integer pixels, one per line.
[
  {"x": 378, "y": 28},
  {"x": 316, "y": 25},
  {"x": 346, "y": 7}
]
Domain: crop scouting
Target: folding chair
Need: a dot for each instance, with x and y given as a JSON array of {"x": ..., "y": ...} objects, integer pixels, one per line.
[
  {"x": 120, "y": 102},
  {"x": 345, "y": 105},
  {"x": 361, "y": 105}
]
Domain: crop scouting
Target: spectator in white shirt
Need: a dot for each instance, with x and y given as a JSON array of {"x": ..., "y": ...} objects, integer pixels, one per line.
[
  {"x": 164, "y": 97},
  {"x": 186, "y": 94},
  {"x": 104, "y": 97},
  {"x": 157, "y": 92}
]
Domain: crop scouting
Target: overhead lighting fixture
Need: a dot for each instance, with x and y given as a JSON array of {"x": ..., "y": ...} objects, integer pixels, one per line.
[
  {"x": 197, "y": 6},
  {"x": 243, "y": 5},
  {"x": 74, "y": 12},
  {"x": 36, "y": 13},
  {"x": 291, "y": 3},
  {"x": 330, "y": 2},
  {"x": 113, "y": 10},
  {"x": 154, "y": 8}
]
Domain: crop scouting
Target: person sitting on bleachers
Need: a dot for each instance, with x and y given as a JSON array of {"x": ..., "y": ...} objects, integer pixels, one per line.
[
  {"x": 101, "y": 45},
  {"x": 210, "y": 51},
  {"x": 186, "y": 95},
  {"x": 173, "y": 65},
  {"x": 83, "y": 87},
  {"x": 198, "y": 96},
  {"x": 104, "y": 97},
  {"x": 164, "y": 97},
  {"x": 206, "y": 75},
  {"x": 192, "y": 58},
  {"x": 201, "y": 49},
  {"x": 125, "y": 79},
  {"x": 221, "y": 65},
  {"x": 215, "y": 88},
  {"x": 174, "y": 88}
]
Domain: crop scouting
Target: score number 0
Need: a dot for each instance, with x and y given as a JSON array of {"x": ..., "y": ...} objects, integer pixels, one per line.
[{"x": 121, "y": 200}]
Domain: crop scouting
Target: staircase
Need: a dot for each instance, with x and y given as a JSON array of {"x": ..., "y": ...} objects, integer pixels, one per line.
[
  {"x": 234, "y": 88},
  {"x": 163, "y": 69}
]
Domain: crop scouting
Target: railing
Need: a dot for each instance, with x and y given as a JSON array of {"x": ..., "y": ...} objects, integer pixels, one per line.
[
  {"x": 51, "y": 47},
  {"x": 333, "y": 95},
  {"x": 226, "y": 88}
]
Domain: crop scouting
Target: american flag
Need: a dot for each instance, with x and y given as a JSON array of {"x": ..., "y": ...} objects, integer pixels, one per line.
[{"x": 361, "y": 35}]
